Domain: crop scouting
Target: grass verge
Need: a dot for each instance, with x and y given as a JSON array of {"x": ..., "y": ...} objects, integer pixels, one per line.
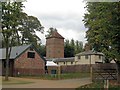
[
  {"x": 57, "y": 77},
  {"x": 99, "y": 85}
]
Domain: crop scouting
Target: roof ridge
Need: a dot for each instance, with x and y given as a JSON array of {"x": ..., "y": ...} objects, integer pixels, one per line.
[
  {"x": 18, "y": 46},
  {"x": 55, "y": 34}
]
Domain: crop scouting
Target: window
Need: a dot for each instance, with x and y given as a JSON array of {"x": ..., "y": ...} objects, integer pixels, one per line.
[
  {"x": 79, "y": 57},
  {"x": 71, "y": 62},
  {"x": 64, "y": 63},
  {"x": 31, "y": 49},
  {"x": 99, "y": 56},
  {"x": 86, "y": 56},
  {"x": 31, "y": 54}
]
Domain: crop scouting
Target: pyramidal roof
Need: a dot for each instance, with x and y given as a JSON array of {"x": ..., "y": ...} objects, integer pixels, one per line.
[{"x": 55, "y": 34}]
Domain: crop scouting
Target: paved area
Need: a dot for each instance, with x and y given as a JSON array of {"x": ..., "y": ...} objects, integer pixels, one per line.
[{"x": 69, "y": 83}]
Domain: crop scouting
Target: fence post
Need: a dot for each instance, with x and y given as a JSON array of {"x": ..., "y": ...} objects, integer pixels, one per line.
[
  {"x": 91, "y": 71},
  {"x": 106, "y": 84},
  {"x": 59, "y": 72}
]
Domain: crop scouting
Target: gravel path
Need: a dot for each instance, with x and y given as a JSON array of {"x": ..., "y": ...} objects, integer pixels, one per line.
[{"x": 69, "y": 83}]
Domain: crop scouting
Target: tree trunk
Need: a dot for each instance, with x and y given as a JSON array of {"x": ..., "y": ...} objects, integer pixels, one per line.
[
  {"x": 7, "y": 64},
  {"x": 118, "y": 71}
]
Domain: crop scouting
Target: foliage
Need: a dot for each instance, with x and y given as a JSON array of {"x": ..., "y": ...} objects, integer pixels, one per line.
[
  {"x": 98, "y": 85},
  {"x": 50, "y": 30},
  {"x": 17, "y": 28},
  {"x": 102, "y": 20},
  {"x": 42, "y": 49},
  {"x": 10, "y": 18},
  {"x": 29, "y": 25},
  {"x": 72, "y": 47}
]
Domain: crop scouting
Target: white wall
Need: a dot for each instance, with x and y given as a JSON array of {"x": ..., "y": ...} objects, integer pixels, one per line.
[{"x": 91, "y": 59}]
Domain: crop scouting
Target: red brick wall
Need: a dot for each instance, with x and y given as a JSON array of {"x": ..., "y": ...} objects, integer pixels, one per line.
[
  {"x": 52, "y": 68},
  {"x": 55, "y": 48},
  {"x": 29, "y": 66}
]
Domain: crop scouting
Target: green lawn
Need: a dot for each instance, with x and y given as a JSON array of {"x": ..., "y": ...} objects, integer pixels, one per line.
[
  {"x": 99, "y": 85},
  {"x": 62, "y": 76}
]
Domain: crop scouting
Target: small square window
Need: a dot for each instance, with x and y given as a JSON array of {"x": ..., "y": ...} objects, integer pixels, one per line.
[
  {"x": 79, "y": 57},
  {"x": 99, "y": 57},
  {"x": 86, "y": 56},
  {"x": 71, "y": 62},
  {"x": 31, "y": 54}
]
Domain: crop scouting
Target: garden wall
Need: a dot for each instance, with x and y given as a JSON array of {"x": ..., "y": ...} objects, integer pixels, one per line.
[{"x": 79, "y": 68}]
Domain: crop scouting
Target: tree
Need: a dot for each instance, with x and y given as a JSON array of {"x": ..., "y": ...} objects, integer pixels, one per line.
[
  {"x": 50, "y": 30},
  {"x": 42, "y": 50},
  {"x": 72, "y": 47},
  {"x": 68, "y": 50},
  {"x": 102, "y": 21},
  {"x": 17, "y": 27},
  {"x": 10, "y": 18},
  {"x": 78, "y": 47},
  {"x": 29, "y": 26}
]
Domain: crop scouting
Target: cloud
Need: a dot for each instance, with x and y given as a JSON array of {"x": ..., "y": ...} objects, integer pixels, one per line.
[{"x": 65, "y": 15}]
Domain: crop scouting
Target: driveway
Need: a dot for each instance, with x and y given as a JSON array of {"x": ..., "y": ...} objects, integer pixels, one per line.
[{"x": 69, "y": 83}]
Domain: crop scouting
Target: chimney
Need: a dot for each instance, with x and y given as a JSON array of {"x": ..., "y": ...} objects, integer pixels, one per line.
[{"x": 87, "y": 47}]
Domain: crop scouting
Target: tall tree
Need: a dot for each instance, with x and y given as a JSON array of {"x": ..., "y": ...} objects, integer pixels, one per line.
[
  {"x": 78, "y": 47},
  {"x": 29, "y": 26},
  {"x": 10, "y": 17},
  {"x": 72, "y": 47},
  {"x": 17, "y": 27},
  {"x": 68, "y": 50},
  {"x": 102, "y": 21}
]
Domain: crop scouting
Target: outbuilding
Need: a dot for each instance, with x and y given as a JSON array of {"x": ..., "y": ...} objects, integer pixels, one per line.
[{"x": 24, "y": 60}]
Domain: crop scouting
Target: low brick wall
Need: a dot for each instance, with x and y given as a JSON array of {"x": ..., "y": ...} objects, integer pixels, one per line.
[
  {"x": 79, "y": 68},
  {"x": 69, "y": 68},
  {"x": 75, "y": 68},
  {"x": 24, "y": 71}
]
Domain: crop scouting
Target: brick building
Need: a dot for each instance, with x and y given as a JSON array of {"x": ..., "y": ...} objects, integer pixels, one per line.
[
  {"x": 55, "y": 45},
  {"x": 24, "y": 60}
]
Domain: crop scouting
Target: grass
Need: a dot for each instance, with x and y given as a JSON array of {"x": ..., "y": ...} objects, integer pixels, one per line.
[
  {"x": 99, "y": 85},
  {"x": 13, "y": 81},
  {"x": 62, "y": 76}
]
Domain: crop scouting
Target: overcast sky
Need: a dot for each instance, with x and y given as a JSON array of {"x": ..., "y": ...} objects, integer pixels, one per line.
[{"x": 64, "y": 15}]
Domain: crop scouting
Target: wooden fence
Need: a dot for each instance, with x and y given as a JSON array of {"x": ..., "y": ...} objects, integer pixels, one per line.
[{"x": 104, "y": 72}]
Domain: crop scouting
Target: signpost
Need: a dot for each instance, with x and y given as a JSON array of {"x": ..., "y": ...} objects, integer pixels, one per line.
[{"x": 104, "y": 72}]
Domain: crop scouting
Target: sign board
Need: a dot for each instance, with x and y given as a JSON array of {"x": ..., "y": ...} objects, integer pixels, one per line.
[{"x": 104, "y": 73}]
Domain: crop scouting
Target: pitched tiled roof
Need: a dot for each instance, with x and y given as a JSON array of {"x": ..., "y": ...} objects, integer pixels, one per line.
[
  {"x": 90, "y": 52},
  {"x": 15, "y": 51},
  {"x": 70, "y": 59},
  {"x": 55, "y": 34}
]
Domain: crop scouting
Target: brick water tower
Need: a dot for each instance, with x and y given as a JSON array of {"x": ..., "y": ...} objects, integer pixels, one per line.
[{"x": 55, "y": 45}]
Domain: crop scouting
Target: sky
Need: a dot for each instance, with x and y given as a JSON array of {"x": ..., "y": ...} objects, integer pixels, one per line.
[{"x": 64, "y": 15}]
